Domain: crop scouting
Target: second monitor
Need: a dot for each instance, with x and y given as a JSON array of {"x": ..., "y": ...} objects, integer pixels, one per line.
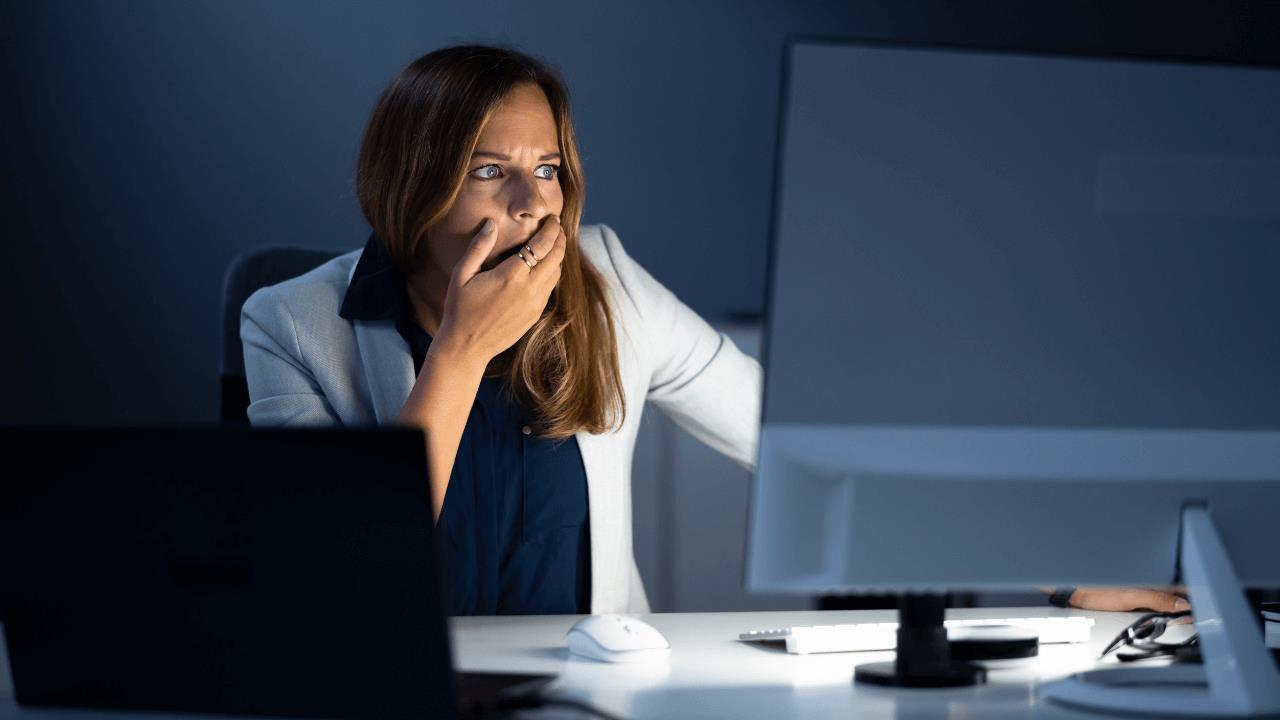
[{"x": 1021, "y": 331}]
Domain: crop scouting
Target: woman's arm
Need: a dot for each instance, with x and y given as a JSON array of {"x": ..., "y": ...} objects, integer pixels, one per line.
[
  {"x": 485, "y": 313},
  {"x": 439, "y": 404},
  {"x": 282, "y": 390},
  {"x": 1167, "y": 599},
  {"x": 699, "y": 376}
]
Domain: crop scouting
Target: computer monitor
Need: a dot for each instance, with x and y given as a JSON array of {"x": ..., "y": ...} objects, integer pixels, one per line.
[
  {"x": 285, "y": 572},
  {"x": 1022, "y": 331}
]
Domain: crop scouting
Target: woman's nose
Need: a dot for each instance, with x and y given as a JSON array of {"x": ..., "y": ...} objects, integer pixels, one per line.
[{"x": 527, "y": 197}]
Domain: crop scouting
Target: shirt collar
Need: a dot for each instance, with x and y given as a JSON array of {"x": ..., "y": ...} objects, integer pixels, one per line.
[{"x": 377, "y": 289}]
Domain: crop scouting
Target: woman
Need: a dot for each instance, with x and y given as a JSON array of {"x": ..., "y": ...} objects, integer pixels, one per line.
[{"x": 523, "y": 345}]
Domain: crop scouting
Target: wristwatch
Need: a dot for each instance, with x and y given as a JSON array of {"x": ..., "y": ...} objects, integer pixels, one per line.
[{"x": 1061, "y": 596}]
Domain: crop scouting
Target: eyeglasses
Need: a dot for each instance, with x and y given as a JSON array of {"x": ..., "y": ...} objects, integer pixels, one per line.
[{"x": 1142, "y": 635}]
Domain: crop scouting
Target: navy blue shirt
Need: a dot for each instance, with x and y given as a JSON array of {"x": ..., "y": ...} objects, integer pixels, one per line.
[{"x": 513, "y": 534}]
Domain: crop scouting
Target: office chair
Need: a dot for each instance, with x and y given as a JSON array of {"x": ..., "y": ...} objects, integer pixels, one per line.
[{"x": 248, "y": 272}]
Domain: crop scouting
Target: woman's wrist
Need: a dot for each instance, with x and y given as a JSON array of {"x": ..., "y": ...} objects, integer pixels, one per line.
[
  {"x": 1061, "y": 597},
  {"x": 445, "y": 388},
  {"x": 450, "y": 350}
]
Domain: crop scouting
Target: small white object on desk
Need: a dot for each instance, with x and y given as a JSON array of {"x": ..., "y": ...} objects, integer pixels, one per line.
[
  {"x": 617, "y": 638},
  {"x": 861, "y": 637}
]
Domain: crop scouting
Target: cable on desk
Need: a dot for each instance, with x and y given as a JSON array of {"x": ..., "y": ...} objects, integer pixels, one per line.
[{"x": 1141, "y": 636}]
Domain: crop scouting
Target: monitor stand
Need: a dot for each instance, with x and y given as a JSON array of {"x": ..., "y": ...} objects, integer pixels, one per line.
[
  {"x": 1237, "y": 677},
  {"x": 923, "y": 656}
]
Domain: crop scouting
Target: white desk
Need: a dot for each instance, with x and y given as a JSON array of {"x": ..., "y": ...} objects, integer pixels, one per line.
[{"x": 710, "y": 674}]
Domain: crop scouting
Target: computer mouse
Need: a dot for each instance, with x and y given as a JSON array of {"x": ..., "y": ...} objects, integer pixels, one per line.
[{"x": 616, "y": 638}]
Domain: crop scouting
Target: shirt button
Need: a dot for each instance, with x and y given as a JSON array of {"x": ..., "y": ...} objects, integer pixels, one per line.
[{"x": 526, "y": 430}]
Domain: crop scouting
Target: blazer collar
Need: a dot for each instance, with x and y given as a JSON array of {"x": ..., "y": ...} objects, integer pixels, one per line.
[
  {"x": 374, "y": 302},
  {"x": 375, "y": 288}
]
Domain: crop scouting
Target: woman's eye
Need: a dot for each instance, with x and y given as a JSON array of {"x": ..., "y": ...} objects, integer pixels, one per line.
[{"x": 485, "y": 174}]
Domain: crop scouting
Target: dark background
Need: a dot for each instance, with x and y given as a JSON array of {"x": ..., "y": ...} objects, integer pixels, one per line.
[{"x": 145, "y": 143}]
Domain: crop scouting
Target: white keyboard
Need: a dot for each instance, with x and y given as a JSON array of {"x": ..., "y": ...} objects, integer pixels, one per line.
[{"x": 805, "y": 639}]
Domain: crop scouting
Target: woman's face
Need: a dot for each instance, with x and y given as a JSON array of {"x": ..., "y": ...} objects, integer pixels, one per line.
[{"x": 511, "y": 178}]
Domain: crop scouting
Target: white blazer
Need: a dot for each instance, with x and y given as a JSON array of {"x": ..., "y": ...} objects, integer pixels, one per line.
[{"x": 307, "y": 366}]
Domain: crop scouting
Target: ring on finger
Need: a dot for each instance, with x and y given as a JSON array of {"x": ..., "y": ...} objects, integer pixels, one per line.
[
  {"x": 525, "y": 260},
  {"x": 532, "y": 254}
]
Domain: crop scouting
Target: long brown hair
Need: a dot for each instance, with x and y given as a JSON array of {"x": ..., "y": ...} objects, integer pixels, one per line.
[{"x": 413, "y": 161}]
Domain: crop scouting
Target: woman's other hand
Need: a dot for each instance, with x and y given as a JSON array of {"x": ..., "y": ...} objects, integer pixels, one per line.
[{"x": 1165, "y": 599}]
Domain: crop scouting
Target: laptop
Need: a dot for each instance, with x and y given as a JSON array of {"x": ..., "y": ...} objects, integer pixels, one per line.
[{"x": 282, "y": 572}]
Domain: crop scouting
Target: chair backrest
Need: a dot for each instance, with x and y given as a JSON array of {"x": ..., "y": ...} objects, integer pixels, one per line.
[{"x": 248, "y": 272}]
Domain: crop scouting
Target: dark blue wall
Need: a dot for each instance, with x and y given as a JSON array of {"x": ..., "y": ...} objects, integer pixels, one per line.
[{"x": 147, "y": 142}]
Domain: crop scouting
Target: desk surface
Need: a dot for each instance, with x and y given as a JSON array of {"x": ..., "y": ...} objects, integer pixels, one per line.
[{"x": 710, "y": 674}]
